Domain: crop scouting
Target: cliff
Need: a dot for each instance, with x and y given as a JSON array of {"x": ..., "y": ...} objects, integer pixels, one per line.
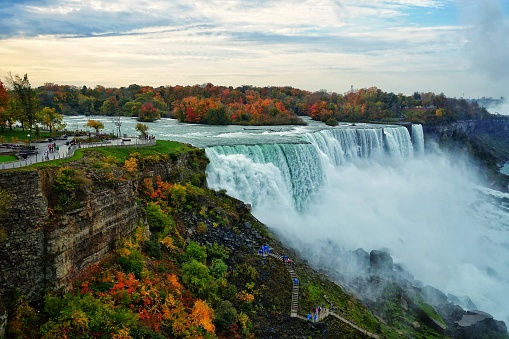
[
  {"x": 48, "y": 242},
  {"x": 486, "y": 140}
]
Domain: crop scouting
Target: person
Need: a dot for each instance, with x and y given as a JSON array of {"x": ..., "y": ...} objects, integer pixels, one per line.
[{"x": 309, "y": 316}]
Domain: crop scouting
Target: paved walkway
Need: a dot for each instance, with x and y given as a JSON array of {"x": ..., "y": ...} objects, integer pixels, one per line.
[
  {"x": 66, "y": 151},
  {"x": 325, "y": 312}
]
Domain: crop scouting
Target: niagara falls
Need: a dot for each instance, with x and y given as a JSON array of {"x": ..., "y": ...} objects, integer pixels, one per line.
[{"x": 330, "y": 190}]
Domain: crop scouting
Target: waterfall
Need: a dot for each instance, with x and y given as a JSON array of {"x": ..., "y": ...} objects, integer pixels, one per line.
[
  {"x": 286, "y": 174},
  {"x": 398, "y": 142},
  {"x": 361, "y": 186},
  {"x": 342, "y": 145},
  {"x": 418, "y": 139},
  {"x": 289, "y": 175}
]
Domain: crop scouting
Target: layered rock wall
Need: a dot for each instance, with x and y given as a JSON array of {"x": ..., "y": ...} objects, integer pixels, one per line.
[
  {"x": 42, "y": 249},
  {"x": 492, "y": 126}
]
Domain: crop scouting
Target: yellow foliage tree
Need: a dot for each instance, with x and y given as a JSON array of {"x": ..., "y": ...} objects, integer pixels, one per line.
[
  {"x": 131, "y": 165},
  {"x": 203, "y": 315}
]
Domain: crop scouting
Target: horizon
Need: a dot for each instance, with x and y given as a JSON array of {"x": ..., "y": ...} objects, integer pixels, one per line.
[{"x": 442, "y": 46}]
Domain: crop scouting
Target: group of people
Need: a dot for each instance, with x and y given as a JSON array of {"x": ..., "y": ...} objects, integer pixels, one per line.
[
  {"x": 52, "y": 147},
  {"x": 265, "y": 250},
  {"x": 317, "y": 313}
]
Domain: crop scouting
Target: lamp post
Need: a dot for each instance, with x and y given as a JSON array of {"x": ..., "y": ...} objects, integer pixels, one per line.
[{"x": 28, "y": 136}]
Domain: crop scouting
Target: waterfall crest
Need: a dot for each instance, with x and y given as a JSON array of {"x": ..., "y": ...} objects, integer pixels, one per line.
[{"x": 292, "y": 173}]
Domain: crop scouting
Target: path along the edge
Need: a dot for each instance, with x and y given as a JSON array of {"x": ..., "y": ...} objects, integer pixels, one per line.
[{"x": 295, "y": 300}]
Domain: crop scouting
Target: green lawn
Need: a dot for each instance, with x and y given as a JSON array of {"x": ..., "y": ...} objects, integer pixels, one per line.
[
  {"x": 7, "y": 158},
  {"x": 19, "y": 135},
  {"x": 162, "y": 147}
]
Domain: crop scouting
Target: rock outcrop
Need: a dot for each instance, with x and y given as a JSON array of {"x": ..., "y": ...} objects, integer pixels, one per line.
[{"x": 475, "y": 324}]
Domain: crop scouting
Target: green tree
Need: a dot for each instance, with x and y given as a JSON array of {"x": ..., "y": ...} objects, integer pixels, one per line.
[
  {"x": 26, "y": 96},
  {"x": 109, "y": 107},
  {"x": 217, "y": 116},
  {"x": 196, "y": 252},
  {"x": 159, "y": 222},
  {"x": 50, "y": 118},
  {"x": 226, "y": 315},
  {"x": 196, "y": 276},
  {"x": 142, "y": 128}
]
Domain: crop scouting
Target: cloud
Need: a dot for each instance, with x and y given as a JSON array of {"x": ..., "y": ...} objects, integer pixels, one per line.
[
  {"x": 309, "y": 44},
  {"x": 487, "y": 32}
]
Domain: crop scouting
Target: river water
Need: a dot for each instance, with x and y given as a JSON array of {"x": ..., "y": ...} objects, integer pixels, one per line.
[{"x": 323, "y": 189}]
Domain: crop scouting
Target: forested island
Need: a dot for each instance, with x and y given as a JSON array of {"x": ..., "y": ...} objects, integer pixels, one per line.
[{"x": 222, "y": 105}]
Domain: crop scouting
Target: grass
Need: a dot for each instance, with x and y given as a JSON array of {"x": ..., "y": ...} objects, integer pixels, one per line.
[
  {"x": 161, "y": 147},
  {"x": 22, "y": 136},
  {"x": 7, "y": 158}
]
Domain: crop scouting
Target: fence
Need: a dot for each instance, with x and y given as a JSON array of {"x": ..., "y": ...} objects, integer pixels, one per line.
[{"x": 62, "y": 154}]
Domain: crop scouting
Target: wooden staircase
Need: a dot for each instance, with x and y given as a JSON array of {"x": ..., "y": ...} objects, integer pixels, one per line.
[{"x": 294, "y": 309}]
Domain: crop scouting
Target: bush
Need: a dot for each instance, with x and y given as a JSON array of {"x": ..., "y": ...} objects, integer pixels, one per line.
[
  {"x": 196, "y": 252},
  {"x": 331, "y": 122},
  {"x": 153, "y": 249},
  {"x": 226, "y": 315},
  {"x": 196, "y": 276},
  {"x": 133, "y": 263},
  {"x": 159, "y": 222},
  {"x": 79, "y": 315}
]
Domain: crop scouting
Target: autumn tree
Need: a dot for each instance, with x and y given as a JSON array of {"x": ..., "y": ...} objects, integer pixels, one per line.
[
  {"x": 95, "y": 124},
  {"x": 148, "y": 112},
  {"x": 26, "y": 95},
  {"x": 4, "y": 103}
]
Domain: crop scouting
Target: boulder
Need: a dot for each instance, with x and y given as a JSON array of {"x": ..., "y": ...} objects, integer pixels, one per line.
[{"x": 474, "y": 324}]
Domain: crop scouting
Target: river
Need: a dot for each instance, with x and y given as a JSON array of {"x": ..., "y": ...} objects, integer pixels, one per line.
[{"x": 323, "y": 189}]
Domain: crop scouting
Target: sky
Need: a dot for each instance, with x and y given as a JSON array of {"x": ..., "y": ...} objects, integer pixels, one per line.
[{"x": 458, "y": 47}]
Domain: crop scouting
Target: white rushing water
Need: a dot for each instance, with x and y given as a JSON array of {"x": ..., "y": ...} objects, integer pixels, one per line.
[{"x": 364, "y": 186}]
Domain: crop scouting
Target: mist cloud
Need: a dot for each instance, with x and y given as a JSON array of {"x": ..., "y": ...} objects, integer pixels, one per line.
[{"x": 487, "y": 32}]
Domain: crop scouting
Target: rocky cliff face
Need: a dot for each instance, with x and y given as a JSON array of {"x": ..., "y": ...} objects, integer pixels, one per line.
[
  {"x": 42, "y": 251},
  {"x": 45, "y": 249},
  {"x": 492, "y": 126},
  {"x": 486, "y": 140}
]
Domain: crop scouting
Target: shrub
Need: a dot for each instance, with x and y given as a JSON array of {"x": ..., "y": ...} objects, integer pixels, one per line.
[
  {"x": 153, "y": 248},
  {"x": 196, "y": 276},
  {"x": 133, "y": 263},
  {"x": 196, "y": 252},
  {"x": 79, "y": 315},
  {"x": 226, "y": 315},
  {"x": 159, "y": 222}
]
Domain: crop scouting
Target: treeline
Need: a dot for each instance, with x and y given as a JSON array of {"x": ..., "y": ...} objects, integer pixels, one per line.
[{"x": 244, "y": 105}]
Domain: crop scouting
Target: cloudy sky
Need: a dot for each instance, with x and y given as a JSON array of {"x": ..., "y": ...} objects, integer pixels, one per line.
[{"x": 459, "y": 47}]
